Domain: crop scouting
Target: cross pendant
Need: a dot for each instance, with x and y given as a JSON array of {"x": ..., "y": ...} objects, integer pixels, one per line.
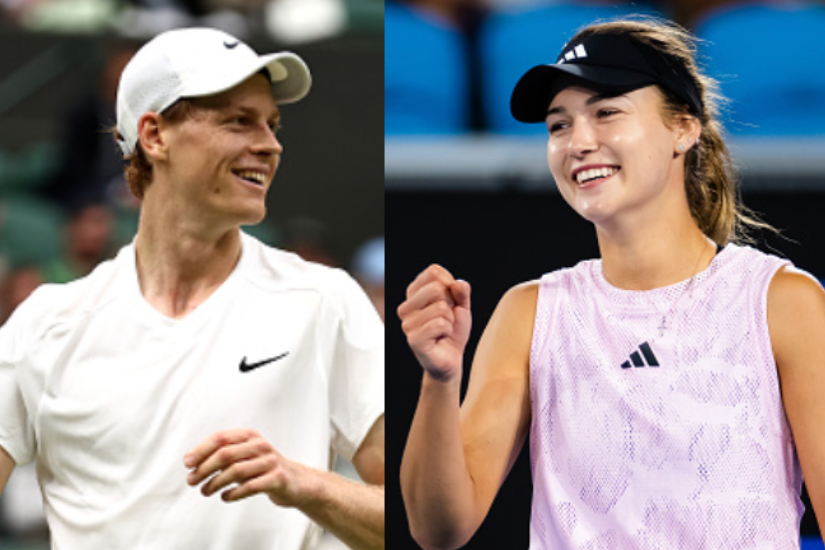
[{"x": 663, "y": 326}]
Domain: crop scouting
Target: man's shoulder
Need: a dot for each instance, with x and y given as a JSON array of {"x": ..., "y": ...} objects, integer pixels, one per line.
[{"x": 56, "y": 303}]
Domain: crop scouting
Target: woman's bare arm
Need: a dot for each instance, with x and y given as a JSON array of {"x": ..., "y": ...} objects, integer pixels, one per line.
[
  {"x": 457, "y": 457},
  {"x": 796, "y": 317}
]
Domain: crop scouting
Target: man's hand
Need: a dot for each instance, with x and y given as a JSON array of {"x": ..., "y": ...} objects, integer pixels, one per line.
[
  {"x": 6, "y": 467},
  {"x": 241, "y": 463},
  {"x": 436, "y": 319},
  {"x": 246, "y": 460}
]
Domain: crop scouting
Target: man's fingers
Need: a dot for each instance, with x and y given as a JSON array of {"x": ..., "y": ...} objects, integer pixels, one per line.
[
  {"x": 224, "y": 448},
  {"x": 222, "y": 459},
  {"x": 271, "y": 482},
  {"x": 239, "y": 473},
  {"x": 214, "y": 442},
  {"x": 239, "y": 464}
]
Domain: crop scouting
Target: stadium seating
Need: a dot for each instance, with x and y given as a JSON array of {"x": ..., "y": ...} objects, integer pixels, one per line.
[
  {"x": 425, "y": 74},
  {"x": 30, "y": 231},
  {"x": 768, "y": 58}
]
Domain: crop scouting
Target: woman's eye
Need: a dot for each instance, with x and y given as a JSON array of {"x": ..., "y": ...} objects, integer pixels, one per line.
[{"x": 556, "y": 126}]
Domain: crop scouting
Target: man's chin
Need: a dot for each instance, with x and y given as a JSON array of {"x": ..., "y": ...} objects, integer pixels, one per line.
[
  {"x": 251, "y": 216},
  {"x": 253, "y": 220}
]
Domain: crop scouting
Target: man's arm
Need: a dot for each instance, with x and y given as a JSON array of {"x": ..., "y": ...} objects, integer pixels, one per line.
[
  {"x": 6, "y": 467},
  {"x": 352, "y": 511}
]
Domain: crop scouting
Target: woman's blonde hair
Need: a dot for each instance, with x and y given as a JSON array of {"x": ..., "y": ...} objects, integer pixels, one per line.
[{"x": 710, "y": 180}]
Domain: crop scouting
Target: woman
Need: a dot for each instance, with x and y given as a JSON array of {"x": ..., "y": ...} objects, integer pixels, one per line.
[{"x": 671, "y": 389}]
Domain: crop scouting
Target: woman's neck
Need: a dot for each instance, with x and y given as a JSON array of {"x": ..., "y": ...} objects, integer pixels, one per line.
[{"x": 655, "y": 257}]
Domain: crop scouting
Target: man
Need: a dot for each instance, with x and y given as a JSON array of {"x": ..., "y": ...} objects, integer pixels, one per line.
[{"x": 199, "y": 357}]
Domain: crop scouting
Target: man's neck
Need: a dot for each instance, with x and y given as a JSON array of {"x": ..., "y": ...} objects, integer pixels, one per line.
[{"x": 178, "y": 271}]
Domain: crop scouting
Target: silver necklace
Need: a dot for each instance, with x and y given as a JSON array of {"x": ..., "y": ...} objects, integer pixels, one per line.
[{"x": 663, "y": 326}]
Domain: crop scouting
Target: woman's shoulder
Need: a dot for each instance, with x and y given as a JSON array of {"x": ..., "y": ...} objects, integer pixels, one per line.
[
  {"x": 582, "y": 275},
  {"x": 796, "y": 320},
  {"x": 744, "y": 254},
  {"x": 521, "y": 298},
  {"x": 792, "y": 289},
  {"x": 524, "y": 289},
  {"x": 524, "y": 296}
]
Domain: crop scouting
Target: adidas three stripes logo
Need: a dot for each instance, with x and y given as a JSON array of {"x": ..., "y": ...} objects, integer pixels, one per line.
[
  {"x": 647, "y": 358},
  {"x": 575, "y": 53}
]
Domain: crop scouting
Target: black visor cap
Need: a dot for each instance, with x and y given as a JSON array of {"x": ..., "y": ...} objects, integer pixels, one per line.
[{"x": 608, "y": 63}]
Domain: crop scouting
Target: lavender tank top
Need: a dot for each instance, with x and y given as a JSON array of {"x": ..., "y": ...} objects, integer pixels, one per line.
[{"x": 644, "y": 438}]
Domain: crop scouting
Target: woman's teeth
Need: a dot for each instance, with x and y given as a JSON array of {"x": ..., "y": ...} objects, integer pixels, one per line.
[{"x": 586, "y": 175}]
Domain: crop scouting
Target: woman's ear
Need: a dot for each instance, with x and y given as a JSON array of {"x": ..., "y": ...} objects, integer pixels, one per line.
[
  {"x": 150, "y": 136},
  {"x": 688, "y": 130}
]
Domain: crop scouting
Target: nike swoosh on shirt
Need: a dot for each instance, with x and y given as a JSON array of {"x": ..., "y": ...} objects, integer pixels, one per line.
[{"x": 246, "y": 367}]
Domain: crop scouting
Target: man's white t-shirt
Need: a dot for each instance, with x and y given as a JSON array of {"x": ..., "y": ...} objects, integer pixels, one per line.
[{"x": 106, "y": 394}]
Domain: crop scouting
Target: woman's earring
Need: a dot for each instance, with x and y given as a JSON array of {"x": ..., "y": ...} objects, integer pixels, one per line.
[{"x": 681, "y": 147}]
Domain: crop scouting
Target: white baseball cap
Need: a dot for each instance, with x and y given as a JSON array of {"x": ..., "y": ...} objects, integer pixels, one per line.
[{"x": 197, "y": 62}]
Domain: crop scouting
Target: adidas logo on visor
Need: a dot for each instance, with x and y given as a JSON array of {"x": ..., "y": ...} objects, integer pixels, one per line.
[{"x": 576, "y": 53}]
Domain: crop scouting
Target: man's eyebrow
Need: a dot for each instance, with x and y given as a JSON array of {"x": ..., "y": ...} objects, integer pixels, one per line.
[
  {"x": 273, "y": 115},
  {"x": 590, "y": 101}
]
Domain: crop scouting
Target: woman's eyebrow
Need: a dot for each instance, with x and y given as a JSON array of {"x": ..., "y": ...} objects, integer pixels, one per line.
[{"x": 590, "y": 101}]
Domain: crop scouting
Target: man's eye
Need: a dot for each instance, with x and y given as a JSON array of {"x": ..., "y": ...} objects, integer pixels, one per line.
[{"x": 607, "y": 112}]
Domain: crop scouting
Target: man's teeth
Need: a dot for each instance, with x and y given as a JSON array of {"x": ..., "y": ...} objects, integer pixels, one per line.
[
  {"x": 257, "y": 177},
  {"x": 586, "y": 175}
]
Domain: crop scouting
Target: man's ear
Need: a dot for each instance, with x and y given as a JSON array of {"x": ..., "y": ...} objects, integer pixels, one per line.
[{"x": 150, "y": 136}]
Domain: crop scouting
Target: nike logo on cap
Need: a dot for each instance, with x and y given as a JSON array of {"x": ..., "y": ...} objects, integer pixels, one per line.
[
  {"x": 246, "y": 367},
  {"x": 231, "y": 45}
]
